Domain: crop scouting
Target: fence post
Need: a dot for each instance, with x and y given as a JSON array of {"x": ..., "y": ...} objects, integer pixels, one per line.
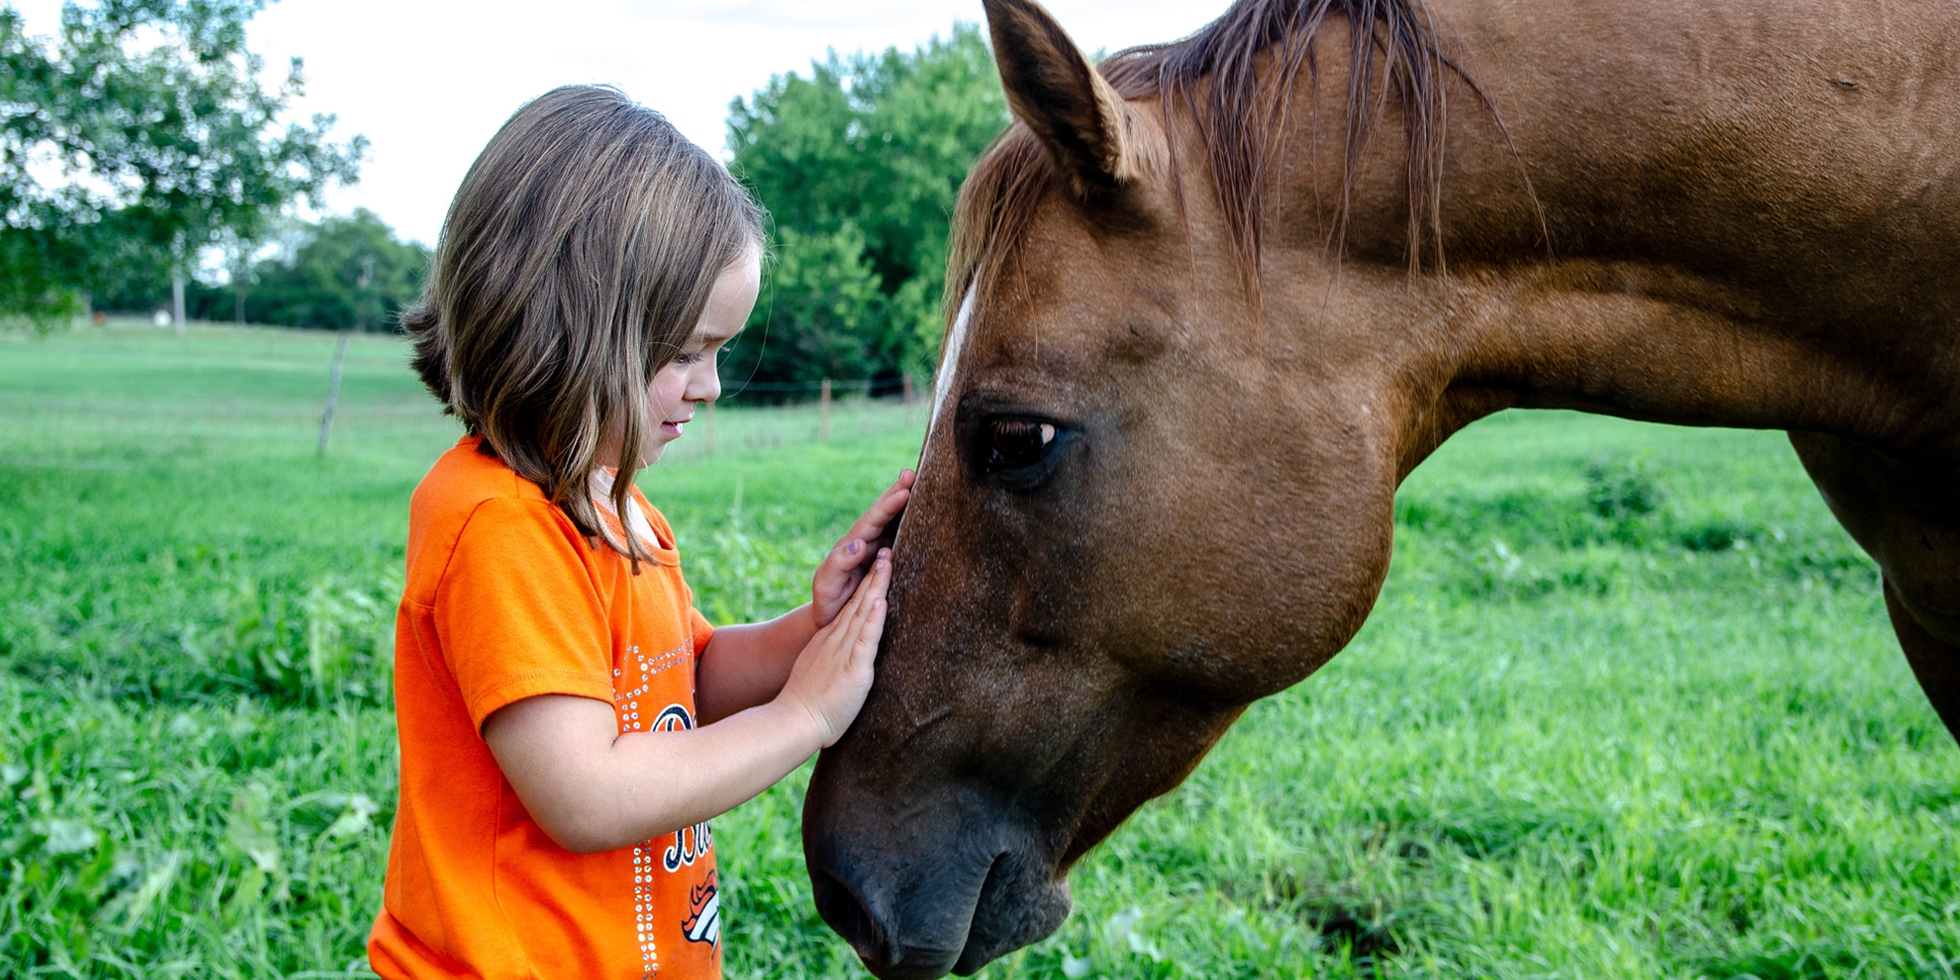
[
  {"x": 823, "y": 433},
  {"x": 709, "y": 449},
  {"x": 333, "y": 392},
  {"x": 177, "y": 299}
]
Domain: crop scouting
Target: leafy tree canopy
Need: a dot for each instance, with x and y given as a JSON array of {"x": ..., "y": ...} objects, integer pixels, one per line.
[
  {"x": 344, "y": 273},
  {"x": 138, "y": 135},
  {"x": 859, "y": 165},
  {"x": 348, "y": 273}
]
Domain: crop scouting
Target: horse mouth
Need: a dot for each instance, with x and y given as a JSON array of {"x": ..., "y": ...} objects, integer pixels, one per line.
[
  {"x": 841, "y": 908},
  {"x": 1011, "y": 912},
  {"x": 851, "y": 917},
  {"x": 938, "y": 927}
]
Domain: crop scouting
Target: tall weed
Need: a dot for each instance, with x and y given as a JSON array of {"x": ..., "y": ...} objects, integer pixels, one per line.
[
  {"x": 332, "y": 642},
  {"x": 742, "y": 573}
]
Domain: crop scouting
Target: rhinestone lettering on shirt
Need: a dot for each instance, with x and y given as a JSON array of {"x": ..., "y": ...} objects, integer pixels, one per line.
[
  {"x": 639, "y": 672},
  {"x": 668, "y": 855}
]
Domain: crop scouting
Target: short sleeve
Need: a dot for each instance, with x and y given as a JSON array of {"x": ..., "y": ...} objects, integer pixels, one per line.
[
  {"x": 699, "y": 628},
  {"x": 517, "y": 611}
]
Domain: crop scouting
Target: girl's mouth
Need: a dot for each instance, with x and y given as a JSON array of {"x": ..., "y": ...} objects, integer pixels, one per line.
[{"x": 670, "y": 429}]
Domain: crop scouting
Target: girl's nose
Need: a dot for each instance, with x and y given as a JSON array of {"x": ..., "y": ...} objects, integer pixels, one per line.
[{"x": 706, "y": 386}]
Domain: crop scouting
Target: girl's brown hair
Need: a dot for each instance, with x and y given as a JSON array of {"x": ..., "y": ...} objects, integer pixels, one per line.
[{"x": 573, "y": 264}]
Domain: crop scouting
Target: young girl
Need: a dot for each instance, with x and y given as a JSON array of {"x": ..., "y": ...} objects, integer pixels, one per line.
[{"x": 569, "y": 722}]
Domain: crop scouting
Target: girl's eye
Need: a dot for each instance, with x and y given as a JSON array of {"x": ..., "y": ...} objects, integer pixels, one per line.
[{"x": 703, "y": 354}]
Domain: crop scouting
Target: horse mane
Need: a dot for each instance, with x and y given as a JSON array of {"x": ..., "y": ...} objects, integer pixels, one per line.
[{"x": 1214, "y": 76}]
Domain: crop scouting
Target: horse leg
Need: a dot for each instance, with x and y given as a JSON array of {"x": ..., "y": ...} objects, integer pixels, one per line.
[{"x": 1908, "y": 519}]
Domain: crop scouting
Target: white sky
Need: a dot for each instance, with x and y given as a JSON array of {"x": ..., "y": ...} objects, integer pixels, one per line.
[{"x": 428, "y": 83}]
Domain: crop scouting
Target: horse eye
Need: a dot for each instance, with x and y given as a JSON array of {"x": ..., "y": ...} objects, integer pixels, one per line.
[{"x": 1016, "y": 444}]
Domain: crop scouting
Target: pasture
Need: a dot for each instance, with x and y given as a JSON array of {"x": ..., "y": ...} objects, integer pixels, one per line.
[{"x": 1628, "y": 707}]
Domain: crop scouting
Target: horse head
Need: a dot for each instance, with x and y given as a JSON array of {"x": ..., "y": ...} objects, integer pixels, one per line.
[
  {"x": 1200, "y": 329},
  {"x": 1127, "y": 524}
]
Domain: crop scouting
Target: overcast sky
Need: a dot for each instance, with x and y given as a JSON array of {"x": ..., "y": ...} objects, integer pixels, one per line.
[{"x": 428, "y": 82}]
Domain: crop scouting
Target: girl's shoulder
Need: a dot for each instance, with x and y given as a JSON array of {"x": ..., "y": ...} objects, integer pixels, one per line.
[
  {"x": 465, "y": 477},
  {"x": 458, "y": 491}
]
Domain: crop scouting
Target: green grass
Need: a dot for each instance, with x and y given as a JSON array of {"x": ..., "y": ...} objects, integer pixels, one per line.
[{"x": 1628, "y": 708}]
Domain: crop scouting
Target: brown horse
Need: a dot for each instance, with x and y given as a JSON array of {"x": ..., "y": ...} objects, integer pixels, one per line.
[{"x": 1217, "y": 298}]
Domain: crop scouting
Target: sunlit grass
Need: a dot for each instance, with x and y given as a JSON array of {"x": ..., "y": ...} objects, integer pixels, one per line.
[{"x": 1628, "y": 708}]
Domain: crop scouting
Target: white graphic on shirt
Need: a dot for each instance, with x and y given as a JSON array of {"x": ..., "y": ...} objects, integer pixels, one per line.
[{"x": 703, "y": 923}]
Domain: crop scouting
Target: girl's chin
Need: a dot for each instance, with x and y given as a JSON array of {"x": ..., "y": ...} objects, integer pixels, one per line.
[{"x": 655, "y": 447}]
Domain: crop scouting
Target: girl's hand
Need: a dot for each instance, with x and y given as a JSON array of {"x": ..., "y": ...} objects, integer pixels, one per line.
[
  {"x": 594, "y": 789},
  {"x": 833, "y": 673},
  {"x": 837, "y": 578}
]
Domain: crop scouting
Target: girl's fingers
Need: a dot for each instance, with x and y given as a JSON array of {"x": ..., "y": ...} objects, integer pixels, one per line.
[
  {"x": 874, "y": 588},
  {"x": 872, "y": 628},
  {"x": 864, "y": 650},
  {"x": 889, "y": 503},
  {"x": 852, "y": 607},
  {"x": 891, "y": 500},
  {"x": 869, "y": 591},
  {"x": 851, "y": 552},
  {"x": 885, "y": 508},
  {"x": 855, "y": 549}
]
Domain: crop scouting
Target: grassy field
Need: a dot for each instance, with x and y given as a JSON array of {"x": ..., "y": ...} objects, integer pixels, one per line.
[{"x": 1628, "y": 708}]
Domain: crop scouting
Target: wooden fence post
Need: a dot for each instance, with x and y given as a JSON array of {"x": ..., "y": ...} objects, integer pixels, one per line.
[
  {"x": 823, "y": 433},
  {"x": 333, "y": 392},
  {"x": 177, "y": 299},
  {"x": 709, "y": 448}
]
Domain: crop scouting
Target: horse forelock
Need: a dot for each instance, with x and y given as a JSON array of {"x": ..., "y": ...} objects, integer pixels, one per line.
[{"x": 1216, "y": 79}]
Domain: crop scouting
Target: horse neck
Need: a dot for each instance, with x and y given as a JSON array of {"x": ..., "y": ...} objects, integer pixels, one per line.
[{"x": 1714, "y": 257}]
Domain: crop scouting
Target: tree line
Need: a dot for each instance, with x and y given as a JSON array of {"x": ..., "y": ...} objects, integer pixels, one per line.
[
  {"x": 858, "y": 165},
  {"x": 170, "y": 150},
  {"x": 342, "y": 273},
  {"x": 140, "y": 135}
]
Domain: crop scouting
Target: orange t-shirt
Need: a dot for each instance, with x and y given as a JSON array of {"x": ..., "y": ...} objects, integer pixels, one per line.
[{"x": 505, "y": 600}]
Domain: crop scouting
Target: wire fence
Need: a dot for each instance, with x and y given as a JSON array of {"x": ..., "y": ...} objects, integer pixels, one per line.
[{"x": 309, "y": 391}]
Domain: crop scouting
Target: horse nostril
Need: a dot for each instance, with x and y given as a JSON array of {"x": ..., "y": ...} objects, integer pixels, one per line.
[{"x": 840, "y": 907}]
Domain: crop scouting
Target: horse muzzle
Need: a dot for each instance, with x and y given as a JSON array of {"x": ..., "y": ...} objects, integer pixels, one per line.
[{"x": 920, "y": 890}]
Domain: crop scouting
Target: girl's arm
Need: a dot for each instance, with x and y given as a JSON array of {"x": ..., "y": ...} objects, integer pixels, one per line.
[
  {"x": 747, "y": 665},
  {"x": 744, "y": 666},
  {"x": 594, "y": 789}
]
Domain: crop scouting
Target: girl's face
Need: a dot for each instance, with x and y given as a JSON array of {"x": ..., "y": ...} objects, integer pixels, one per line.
[{"x": 690, "y": 379}]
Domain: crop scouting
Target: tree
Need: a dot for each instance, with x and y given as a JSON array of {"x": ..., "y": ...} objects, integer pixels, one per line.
[
  {"x": 867, "y": 153},
  {"x": 343, "y": 273},
  {"x": 137, "y": 136},
  {"x": 349, "y": 273},
  {"x": 824, "y": 302}
]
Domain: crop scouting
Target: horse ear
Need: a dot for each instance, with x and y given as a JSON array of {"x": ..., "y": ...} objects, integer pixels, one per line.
[{"x": 1054, "y": 90}]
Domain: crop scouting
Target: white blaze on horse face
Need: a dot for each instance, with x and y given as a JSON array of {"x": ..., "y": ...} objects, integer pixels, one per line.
[
  {"x": 955, "y": 345},
  {"x": 949, "y": 364}
]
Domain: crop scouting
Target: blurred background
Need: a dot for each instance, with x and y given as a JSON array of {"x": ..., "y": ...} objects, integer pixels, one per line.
[{"x": 311, "y": 151}]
